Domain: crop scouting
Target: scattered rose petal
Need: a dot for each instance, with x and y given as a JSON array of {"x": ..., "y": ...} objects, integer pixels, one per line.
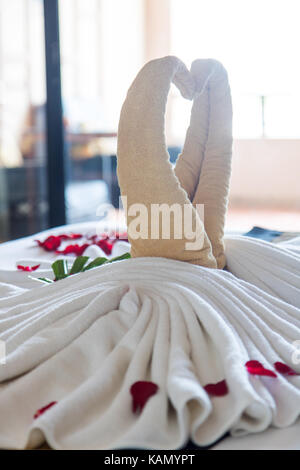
[
  {"x": 105, "y": 246},
  {"x": 284, "y": 369},
  {"x": 28, "y": 269},
  {"x": 118, "y": 236},
  {"x": 111, "y": 238},
  {"x": 73, "y": 249},
  {"x": 254, "y": 364},
  {"x": 218, "y": 389},
  {"x": 141, "y": 392},
  {"x": 261, "y": 371},
  {"x": 53, "y": 241},
  {"x": 256, "y": 368},
  {"x": 93, "y": 238},
  {"x": 104, "y": 241},
  {"x": 122, "y": 236},
  {"x": 70, "y": 236},
  {"x": 50, "y": 244},
  {"x": 45, "y": 408}
]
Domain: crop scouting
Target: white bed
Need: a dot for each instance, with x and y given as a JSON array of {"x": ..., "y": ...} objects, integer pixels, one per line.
[{"x": 25, "y": 248}]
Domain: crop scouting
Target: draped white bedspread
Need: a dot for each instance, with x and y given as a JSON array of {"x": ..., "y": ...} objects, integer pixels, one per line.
[{"x": 85, "y": 340}]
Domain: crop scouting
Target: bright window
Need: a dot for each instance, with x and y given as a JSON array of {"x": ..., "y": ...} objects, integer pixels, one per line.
[{"x": 258, "y": 42}]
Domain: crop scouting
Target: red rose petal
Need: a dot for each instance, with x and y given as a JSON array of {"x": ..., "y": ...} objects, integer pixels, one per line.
[
  {"x": 105, "y": 242},
  {"x": 118, "y": 236},
  {"x": 96, "y": 238},
  {"x": 111, "y": 238},
  {"x": 141, "y": 391},
  {"x": 261, "y": 371},
  {"x": 28, "y": 269},
  {"x": 218, "y": 389},
  {"x": 105, "y": 246},
  {"x": 45, "y": 408},
  {"x": 70, "y": 236},
  {"x": 253, "y": 364},
  {"x": 73, "y": 249},
  {"x": 284, "y": 369},
  {"x": 93, "y": 238},
  {"x": 256, "y": 368},
  {"x": 50, "y": 244},
  {"x": 53, "y": 241}
]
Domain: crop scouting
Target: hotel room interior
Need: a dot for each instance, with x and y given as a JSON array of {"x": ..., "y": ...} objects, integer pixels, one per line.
[{"x": 65, "y": 68}]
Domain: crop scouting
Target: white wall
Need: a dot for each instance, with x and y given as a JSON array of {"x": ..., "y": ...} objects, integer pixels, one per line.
[{"x": 266, "y": 172}]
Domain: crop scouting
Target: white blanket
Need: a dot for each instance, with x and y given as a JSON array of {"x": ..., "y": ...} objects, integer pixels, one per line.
[{"x": 85, "y": 340}]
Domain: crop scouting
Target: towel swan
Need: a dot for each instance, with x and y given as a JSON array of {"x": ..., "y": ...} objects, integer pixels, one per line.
[{"x": 218, "y": 344}]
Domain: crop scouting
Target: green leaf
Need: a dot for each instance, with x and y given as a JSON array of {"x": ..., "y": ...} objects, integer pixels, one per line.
[
  {"x": 60, "y": 269},
  {"x": 78, "y": 264},
  {"x": 119, "y": 258},
  {"x": 95, "y": 263},
  {"x": 44, "y": 280}
]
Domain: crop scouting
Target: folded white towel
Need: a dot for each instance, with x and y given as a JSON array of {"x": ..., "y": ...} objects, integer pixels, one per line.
[
  {"x": 85, "y": 340},
  {"x": 273, "y": 268}
]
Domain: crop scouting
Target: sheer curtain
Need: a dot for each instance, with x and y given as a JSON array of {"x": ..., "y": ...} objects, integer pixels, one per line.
[{"x": 101, "y": 51}]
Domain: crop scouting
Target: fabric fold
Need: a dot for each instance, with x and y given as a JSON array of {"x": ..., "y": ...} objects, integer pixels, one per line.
[{"x": 178, "y": 325}]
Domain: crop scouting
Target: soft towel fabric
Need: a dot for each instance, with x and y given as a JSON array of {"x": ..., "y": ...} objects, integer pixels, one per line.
[
  {"x": 189, "y": 162},
  {"x": 213, "y": 185},
  {"x": 204, "y": 168},
  {"x": 272, "y": 268},
  {"x": 85, "y": 340},
  {"x": 145, "y": 175}
]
